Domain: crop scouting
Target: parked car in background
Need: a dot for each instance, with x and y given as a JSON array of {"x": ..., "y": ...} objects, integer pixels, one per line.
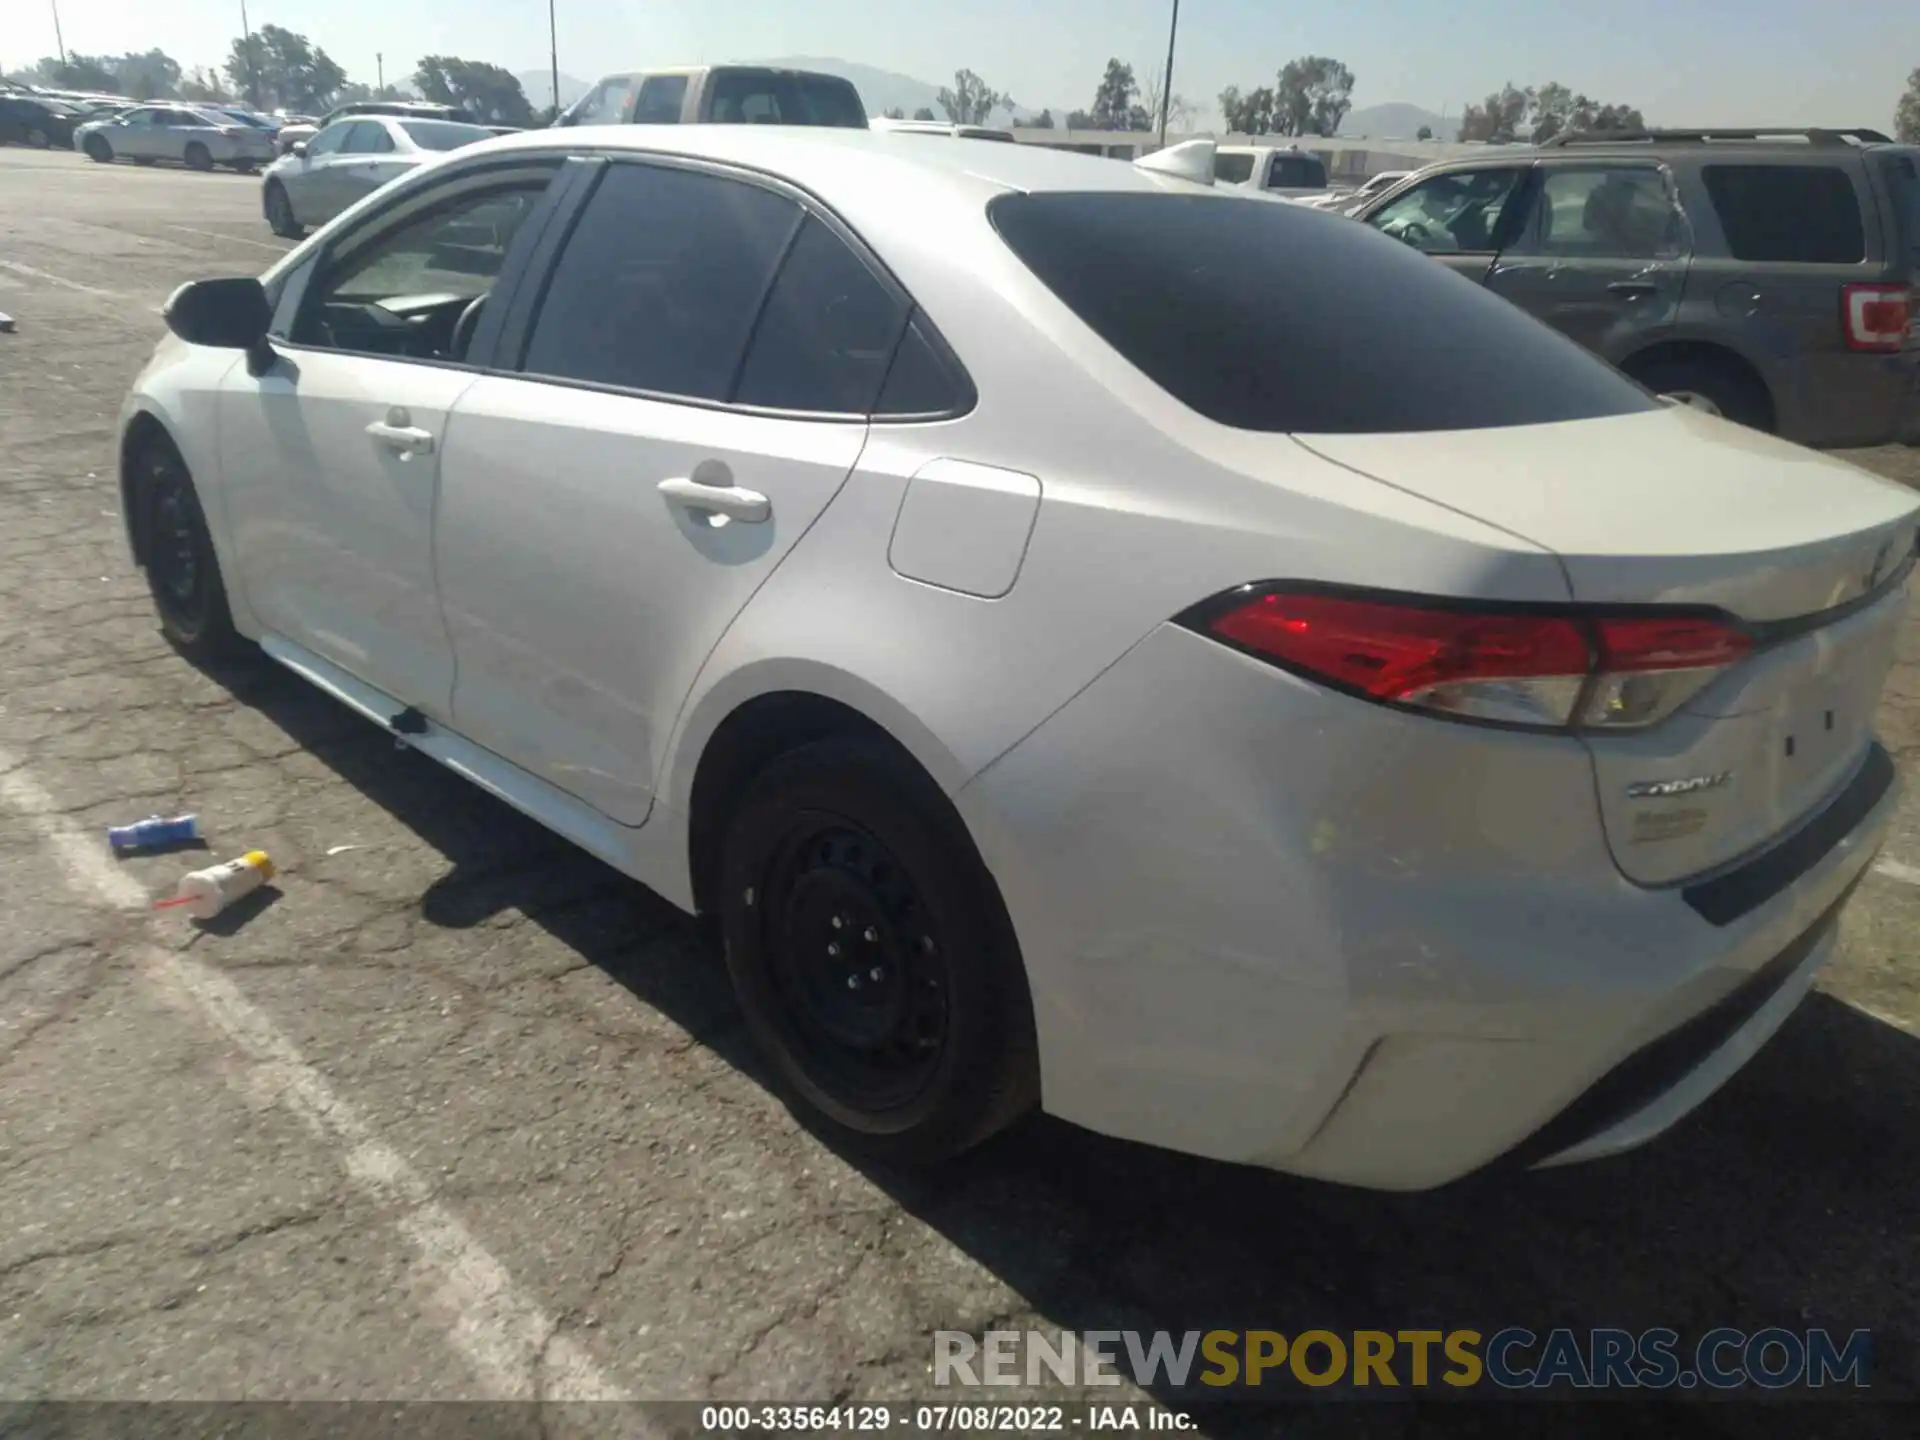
[
  {"x": 351, "y": 158},
  {"x": 1283, "y": 171},
  {"x": 1084, "y": 639},
  {"x": 940, "y": 127},
  {"x": 244, "y": 116},
  {"x": 720, "y": 95},
  {"x": 198, "y": 139},
  {"x": 294, "y": 130},
  {"x": 1765, "y": 275},
  {"x": 1346, "y": 201},
  {"x": 38, "y": 122}
]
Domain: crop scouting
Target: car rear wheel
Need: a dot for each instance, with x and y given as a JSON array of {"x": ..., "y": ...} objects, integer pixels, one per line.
[
  {"x": 872, "y": 956},
  {"x": 38, "y": 139},
  {"x": 280, "y": 216},
  {"x": 1718, "y": 389},
  {"x": 183, "y": 573},
  {"x": 98, "y": 150},
  {"x": 198, "y": 157}
]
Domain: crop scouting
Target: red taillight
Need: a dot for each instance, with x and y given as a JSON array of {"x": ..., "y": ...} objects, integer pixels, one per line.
[
  {"x": 1875, "y": 317},
  {"x": 1543, "y": 668}
]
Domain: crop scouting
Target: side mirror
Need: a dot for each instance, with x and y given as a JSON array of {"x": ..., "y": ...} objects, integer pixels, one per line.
[
  {"x": 225, "y": 314},
  {"x": 299, "y": 147}
]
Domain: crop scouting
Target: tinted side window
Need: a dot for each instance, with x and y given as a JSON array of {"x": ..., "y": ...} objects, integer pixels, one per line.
[
  {"x": 920, "y": 383},
  {"x": 328, "y": 141},
  {"x": 1903, "y": 178},
  {"x": 659, "y": 284},
  {"x": 1452, "y": 214},
  {"x": 660, "y": 100},
  {"x": 749, "y": 97},
  {"x": 1615, "y": 212},
  {"x": 1233, "y": 169},
  {"x": 1162, "y": 278},
  {"x": 1797, "y": 214},
  {"x": 605, "y": 104},
  {"x": 826, "y": 333}
]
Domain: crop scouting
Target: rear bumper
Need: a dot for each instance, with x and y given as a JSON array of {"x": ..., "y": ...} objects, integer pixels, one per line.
[
  {"x": 1851, "y": 401},
  {"x": 1280, "y": 927}
]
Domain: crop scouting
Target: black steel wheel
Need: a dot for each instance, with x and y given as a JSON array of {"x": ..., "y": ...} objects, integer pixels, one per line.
[
  {"x": 872, "y": 955},
  {"x": 182, "y": 571}
]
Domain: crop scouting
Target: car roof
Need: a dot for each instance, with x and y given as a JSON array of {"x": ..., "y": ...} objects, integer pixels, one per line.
[{"x": 837, "y": 163}]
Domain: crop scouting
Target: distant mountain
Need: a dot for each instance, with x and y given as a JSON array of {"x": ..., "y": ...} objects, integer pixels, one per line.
[
  {"x": 1397, "y": 122},
  {"x": 889, "y": 90},
  {"x": 539, "y": 87}
]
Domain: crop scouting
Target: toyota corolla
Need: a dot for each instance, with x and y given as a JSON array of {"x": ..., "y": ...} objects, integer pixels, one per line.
[{"x": 1087, "y": 641}]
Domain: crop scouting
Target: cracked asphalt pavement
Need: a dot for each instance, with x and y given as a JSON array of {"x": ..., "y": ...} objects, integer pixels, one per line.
[{"x": 460, "y": 1113}]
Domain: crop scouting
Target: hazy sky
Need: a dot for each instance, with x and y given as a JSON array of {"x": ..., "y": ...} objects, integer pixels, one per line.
[{"x": 1731, "y": 61}]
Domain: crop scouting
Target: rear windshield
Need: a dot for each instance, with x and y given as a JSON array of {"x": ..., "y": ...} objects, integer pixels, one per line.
[
  {"x": 1297, "y": 172},
  {"x": 443, "y": 134},
  {"x": 1791, "y": 214},
  {"x": 1903, "y": 176},
  {"x": 760, "y": 97},
  {"x": 1276, "y": 317},
  {"x": 1234, "y": 169}
]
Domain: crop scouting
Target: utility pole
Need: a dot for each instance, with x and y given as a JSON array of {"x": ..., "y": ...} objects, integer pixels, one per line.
[
  {"x": 379, "y": 72},
  {"x": 1166, "y": 85},
  {"x": 58, "y": 43},
  {"x": 553, "y": 55},
  {"x": 253, "y": 71}
]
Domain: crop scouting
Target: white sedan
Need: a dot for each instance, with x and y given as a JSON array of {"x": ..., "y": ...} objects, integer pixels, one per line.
[
  {"x": 1333, "y": 723},
  {"x": 319, "y": 178},
  {"x": 196, "y": 138}
]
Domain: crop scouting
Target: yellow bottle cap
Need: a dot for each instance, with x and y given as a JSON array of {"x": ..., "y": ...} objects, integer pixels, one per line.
[{"x": 258, "y": 860}]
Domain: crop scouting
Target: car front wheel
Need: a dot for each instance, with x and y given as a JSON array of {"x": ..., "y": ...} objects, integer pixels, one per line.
[
  {"x": 183, "y": 573},
  {"x": 872, "y": 956},
  {"x": 98, "y": 150},
  {"x": 198, "y": 157},
  {"x": 279, "y": 207}
]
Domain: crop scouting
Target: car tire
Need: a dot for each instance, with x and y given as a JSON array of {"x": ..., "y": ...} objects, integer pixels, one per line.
[
  {"x": 183, "y": 573},
  {"x": 197, "y": 156},
  {"x": 98, "y": 150},
  {"x": 245, "y": 167},
  {"x": 1708, "y": 385},
  {"x": 279, "y": 211},
  {"x": 872, "y": 956},
  {"x": 38, "y": 139}
]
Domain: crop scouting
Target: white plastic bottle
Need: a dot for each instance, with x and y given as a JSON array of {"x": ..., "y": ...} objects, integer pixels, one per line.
[{"x": 205, "y": 893}]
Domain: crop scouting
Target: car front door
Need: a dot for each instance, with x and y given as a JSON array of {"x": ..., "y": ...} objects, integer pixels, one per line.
[
  {"x": 709, "y": 399},
  {"x": 1600, "y": 254},
  {"x": 331, "y": 458},
  {"x": 136, "y": 134},
  {"x": 308, "y": 187},
  {"x": 1459, "y": 217},
  {"x": 367, "y": 161}
]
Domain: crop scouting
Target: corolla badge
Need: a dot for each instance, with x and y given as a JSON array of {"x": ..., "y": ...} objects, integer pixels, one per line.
[{"x": 1690, "y": 785}]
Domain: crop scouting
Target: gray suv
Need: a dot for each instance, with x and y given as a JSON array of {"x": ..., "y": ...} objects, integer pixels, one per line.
[{"x": 1769, "y": 275}]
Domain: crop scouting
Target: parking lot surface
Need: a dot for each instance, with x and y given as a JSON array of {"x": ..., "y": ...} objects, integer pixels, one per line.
[{"x": 461, "y": 1113}]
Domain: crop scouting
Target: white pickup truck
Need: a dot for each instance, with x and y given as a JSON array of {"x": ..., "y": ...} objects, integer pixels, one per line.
[{"x": 1284, "y": 171}]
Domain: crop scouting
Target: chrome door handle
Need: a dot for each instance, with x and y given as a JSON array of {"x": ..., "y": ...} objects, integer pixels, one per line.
[
  {"x": 749, "y": 507},
  {"x": 398, "y": 432}
]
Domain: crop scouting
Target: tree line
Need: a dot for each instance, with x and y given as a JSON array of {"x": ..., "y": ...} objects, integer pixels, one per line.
[
  {"x": 273, "y": 68},
  {"x": 1309, "y": 96},
  {"x": 1906, "y": 115},
  {"x": 1542, "y": 112},
  {"x": 1120, "y": 102}
]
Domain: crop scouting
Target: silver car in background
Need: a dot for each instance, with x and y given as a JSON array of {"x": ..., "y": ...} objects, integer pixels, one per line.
[
  {"x": 320, "y": 177},
  {"x": 187, "y": 135}
]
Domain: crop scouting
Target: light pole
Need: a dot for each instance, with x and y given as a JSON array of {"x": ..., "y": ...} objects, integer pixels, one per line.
[
  {"x": 58, "y": 43},
  {"x": 379, "y": 72},
  {"x": 246, "y": 46},
  {"x": 553, "y": 55},
  {"x": 1166, "y": 84}
]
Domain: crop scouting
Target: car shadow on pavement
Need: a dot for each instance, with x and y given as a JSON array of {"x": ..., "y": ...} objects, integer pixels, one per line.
[{"x": 1789, "y": 1200}]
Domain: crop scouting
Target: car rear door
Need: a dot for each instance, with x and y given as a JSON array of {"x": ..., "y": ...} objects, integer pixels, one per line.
[
  {"x": 331, "y": 458},
  {"x": 705, "y": 358},
  {"x": 1600, "y": 253},
  {"x": 1459, "y": 217}
]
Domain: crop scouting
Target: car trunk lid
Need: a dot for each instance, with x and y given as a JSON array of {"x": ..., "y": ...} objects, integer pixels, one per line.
[{"x": 1677, "y": 508}]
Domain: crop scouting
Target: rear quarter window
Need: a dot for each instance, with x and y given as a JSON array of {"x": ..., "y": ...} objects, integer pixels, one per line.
[
  {"x": 1280, "y": 318},
  {"x": 1903, "y": 179},
  {"x": 1788, "y": 214},
  {"x": 1233, "y": 169}
]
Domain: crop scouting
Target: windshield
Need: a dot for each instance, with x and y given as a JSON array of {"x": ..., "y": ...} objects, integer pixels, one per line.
[
  {"x": 1269, "y": 317},
  {"x": 443, "y": 134},
  {"x": 763, "y": 97}
]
